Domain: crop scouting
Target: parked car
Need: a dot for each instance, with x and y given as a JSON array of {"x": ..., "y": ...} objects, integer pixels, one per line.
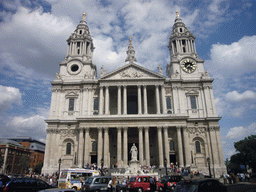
[
  {"x": 121, "y": 187},
  {"x": 201, "y": 185},
  {"x": 170, "y": 181},
  {"x": 57, "y": 190},
  {"x": 25, "y": 184},
  {"x": 96, "y": 183},
  {"x": 142, "y": 183},
  {"x": 3, "y": 181}
]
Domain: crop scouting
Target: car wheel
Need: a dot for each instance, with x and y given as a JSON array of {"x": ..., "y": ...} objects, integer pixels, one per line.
[
  {"x": 97, "y": 190},
  {"x": 140, "y": 190},
  {"x": 160, "y": 189},
  {"x": 74, "y": 188},
  {"x": 122, "y": 190}
]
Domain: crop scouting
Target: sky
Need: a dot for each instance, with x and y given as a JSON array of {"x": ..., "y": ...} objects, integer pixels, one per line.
[{"x": 33, "y": 36}]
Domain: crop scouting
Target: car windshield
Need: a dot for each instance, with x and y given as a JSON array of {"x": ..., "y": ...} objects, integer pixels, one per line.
[
  {"x": 187, "y": 187},
  {"x": 63, "y": 175},
  {"x": 132, "y": 179},
  {"x": 89, "y": 180}
]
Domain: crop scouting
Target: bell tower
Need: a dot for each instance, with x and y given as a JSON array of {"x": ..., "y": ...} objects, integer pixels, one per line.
[
  {"x": 185, "y": 63},
  {"x": 78, "y": 64}
]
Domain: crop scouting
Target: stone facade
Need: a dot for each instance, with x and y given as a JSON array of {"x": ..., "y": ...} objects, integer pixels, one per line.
[{"x": 170, "y": 119}]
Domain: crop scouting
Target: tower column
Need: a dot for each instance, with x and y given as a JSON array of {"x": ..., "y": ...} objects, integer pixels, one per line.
[
  {"x": 141, "y": 158},
  {"x": 81, "y": 148},
  {"x": 106, "y": 146},
  {"x": 139, "y": 99},
  {"x": 90, "y": 101},
  {"x": 160, "y": 146},
  {"x": 119, "y": 100},
  {"x": 157, "y": 100},
  {"x": 147, "y": 151},
  {"x": 145, "y": 99},
  {"x": 163, "y": 99},
  {"x": 180, "y": 148},
  {"x": 99, "y": 154},
  {"x": 101, "y": 100},
  {"x": 125, "y": 146},
  {"x": 107, "y": 101},
  {"x": 86, "y": 150},
  {"x": 125, "y": 100},
  {"x": 119, "y": 145},
  {"x": 166, "y": 145}
]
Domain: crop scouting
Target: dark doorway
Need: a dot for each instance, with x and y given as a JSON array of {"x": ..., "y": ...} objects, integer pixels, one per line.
[
  {"x": 173, "y": 159},
  {"x": 93, "y": 159}
]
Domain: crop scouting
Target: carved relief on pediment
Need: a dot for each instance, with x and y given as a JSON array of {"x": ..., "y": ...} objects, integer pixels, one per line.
[
  {"x": 196, "y": 130},
  {"x": 131, "y": 73},
  {"x": 69, "y": 133}
]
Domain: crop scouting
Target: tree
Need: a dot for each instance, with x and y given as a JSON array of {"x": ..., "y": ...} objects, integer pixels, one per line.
[
  {"x": 24, "y": 163},
  {"x": 38, "y": 168},
  {"x": 247, "y": 152}
]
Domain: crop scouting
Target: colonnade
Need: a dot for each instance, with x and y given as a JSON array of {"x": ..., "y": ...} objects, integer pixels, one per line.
[
  {"x": 177, "y": 46},
  {"x": 122, "y": 101},
  {"x": 84, "y": 48}
]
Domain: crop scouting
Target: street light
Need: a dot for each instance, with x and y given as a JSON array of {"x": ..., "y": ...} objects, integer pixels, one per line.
[
  {"x": 165, "y": 164},
  {"x": 208, "y": 161},
  {"x": 59, "y": 165},
  {"x": 101, "y": 169}
]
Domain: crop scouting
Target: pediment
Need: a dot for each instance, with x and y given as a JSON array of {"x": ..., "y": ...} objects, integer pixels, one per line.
[
  {"x": 71, "y": 95},
  {"x": 132, "y": 71},
  {"x": 192, "y": 92}
]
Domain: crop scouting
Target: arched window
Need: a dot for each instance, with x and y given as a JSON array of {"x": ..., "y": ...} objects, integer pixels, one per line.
[
  {"x": 94, "y": 146},
  {"x": 68, "y": 149},
  {"x": 198, "y": 147},
  {"x": 172, "y": 148}
]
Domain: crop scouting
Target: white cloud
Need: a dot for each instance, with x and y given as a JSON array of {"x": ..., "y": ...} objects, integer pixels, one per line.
[
  {"x": 241, "y": 132},
  {"x": 237, "y": 97},
  {"x": 8, "y": 97}
]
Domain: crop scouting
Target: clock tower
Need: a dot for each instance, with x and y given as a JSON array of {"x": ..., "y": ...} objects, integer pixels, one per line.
[{"x": 185, "y": 63}]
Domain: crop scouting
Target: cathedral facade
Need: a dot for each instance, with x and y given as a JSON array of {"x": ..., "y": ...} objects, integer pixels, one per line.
[{"x": 171, "y": 119}]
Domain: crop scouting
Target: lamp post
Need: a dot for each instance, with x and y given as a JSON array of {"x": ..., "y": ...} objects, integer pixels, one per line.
[
  {"x": 59, "y": 165},
  {"x": 101, "y": 169},
  {"x": 208, "y": 161},
  {"x": 165, "y": 164}
]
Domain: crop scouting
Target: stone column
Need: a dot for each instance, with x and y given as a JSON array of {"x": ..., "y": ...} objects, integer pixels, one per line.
[
  {"x": 187, "y": 147},
  {"x": 107, "y": 101},
  {"x": 163, "y": 100},
  {"x": 101, "y": 101},
  {"x": 180, "y": 147},
  {"x": 106, "y": 146},
  {"x": 157, "y": 100},
  {"x": 209, "y": 145},
  {"x": 139, "y": 99},
  {"x": 147, "y": 151},
  {"x": 214, "y": 147},
  {"x": 81, "y": 148},
  {"x": 166, "y": 145},
  {"x": 217, "y": 131},
  {"x": 141, "y": 158},
  {"x": 119, "y": 100},
  {"x": 119, "y": 145},
  {"x": 47, "y": 149},
  {"x": 90, "y": 101},
  {"x": 87, "y": 143},
  {"x": 125, "y": 145},
  {"x": 160, "y": 146},
  {"x": 125, "y": 100},
  {"x": 145, "y": 99},
  {"x": 100, "y": 145}
]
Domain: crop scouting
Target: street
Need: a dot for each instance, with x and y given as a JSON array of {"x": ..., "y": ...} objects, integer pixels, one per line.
[{"x": 242, "y": 187}]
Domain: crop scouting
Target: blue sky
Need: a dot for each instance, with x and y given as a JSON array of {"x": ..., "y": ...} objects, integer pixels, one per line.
[{"x": 33, "y": 42}]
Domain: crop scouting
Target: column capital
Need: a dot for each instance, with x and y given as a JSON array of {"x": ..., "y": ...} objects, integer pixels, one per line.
[
  {"x": 140, "y": 128},
  {"x": 138, "y": 86},
  {"x": 146, "y": 128},
  {"x": 87, "y": 129},
  {"x": 159, "y": 128},
  {"x": 119, "y": 86},
  {"x": 99, "y": 128},
  {"x": 124, "y": 86},
  {"x": 119, "y": 128},
  {"x": 166, "y": 127},
  {"x": 105, "y": 129},
  {"x": 125, "y": 128}
]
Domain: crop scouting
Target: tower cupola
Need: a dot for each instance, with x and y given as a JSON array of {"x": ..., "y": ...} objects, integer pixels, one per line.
[
  {"x": 80, "y": 43},
  {"x": 182, "y": 41},
  {"x": 130, "y": 53}
]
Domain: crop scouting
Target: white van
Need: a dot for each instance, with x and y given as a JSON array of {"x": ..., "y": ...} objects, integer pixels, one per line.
[{"x": 75, "y": 175}]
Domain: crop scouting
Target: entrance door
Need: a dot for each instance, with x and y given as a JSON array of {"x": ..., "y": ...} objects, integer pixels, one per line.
[
  {"x": 173, "y": 159},
  {"x": 93, "y": 159}
]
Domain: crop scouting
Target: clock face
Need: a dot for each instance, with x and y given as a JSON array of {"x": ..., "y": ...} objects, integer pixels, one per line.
[{"x": 188, "y": 65}]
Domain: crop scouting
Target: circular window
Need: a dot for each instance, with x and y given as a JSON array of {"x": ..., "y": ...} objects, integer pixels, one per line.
[{"x": 74, "y": 68}]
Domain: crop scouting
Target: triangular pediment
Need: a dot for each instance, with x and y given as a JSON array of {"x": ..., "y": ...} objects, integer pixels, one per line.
[
  {"x": 192, "y": 92},
  {"x": 132, "y": 71},
  {"x": 71, "y": 95}
]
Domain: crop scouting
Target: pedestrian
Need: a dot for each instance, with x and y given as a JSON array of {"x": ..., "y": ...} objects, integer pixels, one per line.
[{"x": 68, "y": 184}]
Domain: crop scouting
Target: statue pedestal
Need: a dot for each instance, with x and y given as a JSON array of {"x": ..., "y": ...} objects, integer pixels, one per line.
[{"x": 134, "y": 166}]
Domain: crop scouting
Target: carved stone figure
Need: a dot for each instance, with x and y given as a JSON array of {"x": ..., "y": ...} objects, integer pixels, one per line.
[{"x": 134, "y": 152}]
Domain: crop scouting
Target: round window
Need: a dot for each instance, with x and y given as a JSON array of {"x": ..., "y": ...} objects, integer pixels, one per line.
[{"x": 74, "y": 68}]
